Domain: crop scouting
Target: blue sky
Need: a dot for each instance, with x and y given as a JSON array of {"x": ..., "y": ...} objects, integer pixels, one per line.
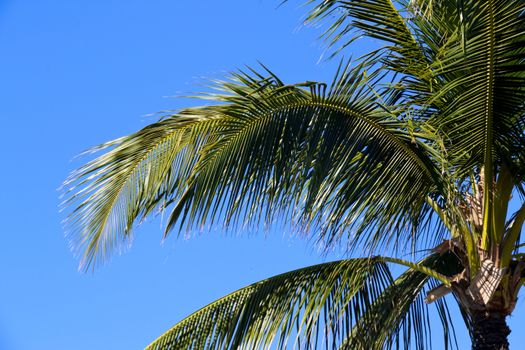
[{"x": 78, "y": 73}]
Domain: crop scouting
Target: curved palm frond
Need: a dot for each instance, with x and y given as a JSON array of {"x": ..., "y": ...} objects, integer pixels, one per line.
[
  {"x": 338, "y": 304},
  {"x": 330, "y": 157},
  {"x": 407, "y": 43}
]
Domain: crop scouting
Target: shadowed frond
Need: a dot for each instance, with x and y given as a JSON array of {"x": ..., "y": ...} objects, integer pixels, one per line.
[
  {"x": 331, "y": 157},
  {"x": 400, "y": 315},
  {"x": 323, "y": 306}
]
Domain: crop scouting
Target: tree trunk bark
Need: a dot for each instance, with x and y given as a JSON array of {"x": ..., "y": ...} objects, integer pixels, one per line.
[{"x": 490, "y": 331}]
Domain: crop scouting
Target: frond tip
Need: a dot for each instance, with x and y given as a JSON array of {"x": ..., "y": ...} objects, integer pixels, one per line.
[{"x": 110, "y": 192}]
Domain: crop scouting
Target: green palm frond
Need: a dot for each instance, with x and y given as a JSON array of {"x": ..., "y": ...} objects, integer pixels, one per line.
[
  {"x": 406, "y": 43},
  {"x": 337, "y": 304},
  {"x": 482, "y": 93},
  {"x": 306, "y": 150}
]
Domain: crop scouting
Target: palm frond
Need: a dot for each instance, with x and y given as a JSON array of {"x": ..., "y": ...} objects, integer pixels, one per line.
[
  {"x": 331, "y": 305},
  {"x": 484, "y": 82},
  {"x": 332, "y": 157},
  {"x": 482, "y": 92}
]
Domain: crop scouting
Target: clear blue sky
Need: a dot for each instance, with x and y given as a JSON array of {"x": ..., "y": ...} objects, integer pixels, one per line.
[{"x": 78, "y": 73}]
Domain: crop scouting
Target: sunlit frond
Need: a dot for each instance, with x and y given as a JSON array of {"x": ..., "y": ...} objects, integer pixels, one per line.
[
  {"x": 113, "y": 190},
  {"x": 484, "y": 79},
  {"x": 332, "y": 157}
]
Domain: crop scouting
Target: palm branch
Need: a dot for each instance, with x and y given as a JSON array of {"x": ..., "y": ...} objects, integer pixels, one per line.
[
  {"x": 347, "y": 304},
  {"x": 304, "y": 149}
]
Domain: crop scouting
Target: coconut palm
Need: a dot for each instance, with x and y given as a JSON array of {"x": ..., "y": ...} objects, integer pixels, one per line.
[{"x": 416, "y": 147}]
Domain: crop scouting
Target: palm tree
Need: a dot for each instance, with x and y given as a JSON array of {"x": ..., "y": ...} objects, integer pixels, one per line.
[{"x": 416, "y": 147}]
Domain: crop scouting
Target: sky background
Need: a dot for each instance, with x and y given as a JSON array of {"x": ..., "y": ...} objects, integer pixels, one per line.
[{"x": 78, "y": 73}]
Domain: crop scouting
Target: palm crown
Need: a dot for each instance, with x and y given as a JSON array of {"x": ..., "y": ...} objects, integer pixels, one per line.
[{"x": 416, "y": 146}]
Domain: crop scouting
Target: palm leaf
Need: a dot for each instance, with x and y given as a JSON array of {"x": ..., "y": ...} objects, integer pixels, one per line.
[
  {"x": 302, "y": 150},
  {"x": 323, "y": 306},
  {"x": 482, "y": 85}
]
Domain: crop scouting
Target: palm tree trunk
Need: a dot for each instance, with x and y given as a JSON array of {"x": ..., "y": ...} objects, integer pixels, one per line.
[{"x": 490, "y": 331}]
